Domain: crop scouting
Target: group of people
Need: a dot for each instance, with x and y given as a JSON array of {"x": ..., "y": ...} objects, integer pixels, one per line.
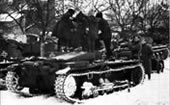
[
  {"x": 142, "y": 50},
  {"x": 104, "y": 31},
  {"x": 138, "y": 46}
]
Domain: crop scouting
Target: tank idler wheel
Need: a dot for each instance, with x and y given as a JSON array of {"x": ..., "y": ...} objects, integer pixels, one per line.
[
  {"x": 12, "y": 82},
  {"x": 65, "y": 87}
]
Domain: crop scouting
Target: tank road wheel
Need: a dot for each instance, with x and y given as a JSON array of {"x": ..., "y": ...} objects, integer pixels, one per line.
[
  {"x": 12, "y": 82},
  {"x": 137, "y": 75},
  {"x": 65, "y": 87}
]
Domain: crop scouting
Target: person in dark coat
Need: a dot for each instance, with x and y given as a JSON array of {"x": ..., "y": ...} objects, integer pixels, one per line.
[
  {"x": 146, "y": 55},
  {"x": 67, "y": 18},
  {"x": 104, "y": 33}
]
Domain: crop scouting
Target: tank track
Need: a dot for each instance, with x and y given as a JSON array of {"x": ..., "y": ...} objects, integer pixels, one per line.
[
  {"x": 11, "y": 82},
  {"x": 59, "y": 88},
  {"x": 60, "y": 84}
]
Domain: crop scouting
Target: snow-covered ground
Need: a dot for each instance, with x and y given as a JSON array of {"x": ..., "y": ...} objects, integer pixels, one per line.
[{"x": 152, "y": 92}]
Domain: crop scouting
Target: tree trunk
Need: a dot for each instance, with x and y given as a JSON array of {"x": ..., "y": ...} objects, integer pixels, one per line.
[{"x": 42, "y": 51}]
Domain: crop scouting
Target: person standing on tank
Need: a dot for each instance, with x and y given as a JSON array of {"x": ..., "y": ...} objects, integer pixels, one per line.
[
  {"x": 104, "y": 33},
  {"x": 67, "y": 17}
]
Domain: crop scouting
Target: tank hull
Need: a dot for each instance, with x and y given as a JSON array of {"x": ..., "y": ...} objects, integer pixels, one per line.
[{"x": 68, "y": 79}]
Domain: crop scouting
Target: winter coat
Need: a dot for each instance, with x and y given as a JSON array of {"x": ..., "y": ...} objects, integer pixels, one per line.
[
  {"x": 104, "y": 28},
  {"x": 105, "y": 35},
  {"x": 66, "y": 19},
  {"x": 146, "y": 55}
]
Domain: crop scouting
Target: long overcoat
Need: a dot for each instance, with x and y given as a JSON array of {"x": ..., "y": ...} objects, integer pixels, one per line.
[{"x": 146, "y": 55}]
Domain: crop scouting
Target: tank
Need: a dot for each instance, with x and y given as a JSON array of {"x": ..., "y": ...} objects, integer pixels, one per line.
[
  {"x": 160, "y": 53},
  {"x": 74, "y": 77}
]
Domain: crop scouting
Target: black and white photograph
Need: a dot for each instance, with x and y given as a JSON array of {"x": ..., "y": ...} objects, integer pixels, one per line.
[{"x": 84, "y": 52}]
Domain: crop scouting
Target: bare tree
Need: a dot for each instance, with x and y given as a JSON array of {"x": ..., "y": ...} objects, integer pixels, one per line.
[
  {"x": 165, "y": 14},
  {"x": 42, "y": 14},
  {"x": 125, "y": 14},
  {"x": 12, "y": 10},
  {"x": 157, "y": 20}
]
